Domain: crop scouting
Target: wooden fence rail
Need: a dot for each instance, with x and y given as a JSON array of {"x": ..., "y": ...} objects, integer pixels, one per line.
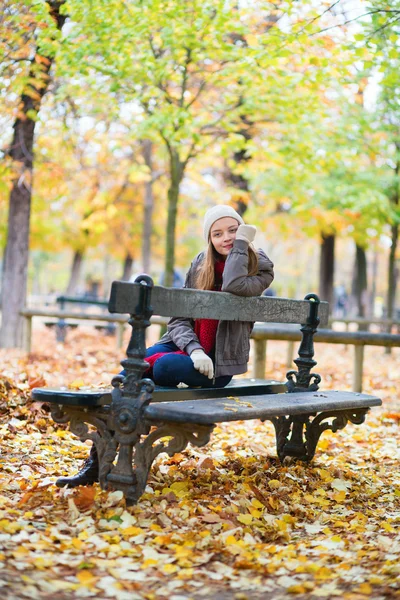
[
  {"x": 364, "y": 322},
  {"x": 260, "y": 334},
  {"x": 359, "y": 339},
  {"x": 120, "y": 320}
]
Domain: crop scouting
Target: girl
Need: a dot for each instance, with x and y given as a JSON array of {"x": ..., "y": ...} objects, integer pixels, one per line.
[{"x": 205, "y": 352}]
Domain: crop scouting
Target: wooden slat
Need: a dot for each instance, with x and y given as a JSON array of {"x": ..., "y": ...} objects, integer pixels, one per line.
[
  {"x": 198, "y": 304},
  {"x": 257, "y": 407},
  {"x": 99, "y": 397}
]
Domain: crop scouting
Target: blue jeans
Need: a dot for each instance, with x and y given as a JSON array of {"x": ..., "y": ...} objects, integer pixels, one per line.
[{"x": 171, "y": 369}]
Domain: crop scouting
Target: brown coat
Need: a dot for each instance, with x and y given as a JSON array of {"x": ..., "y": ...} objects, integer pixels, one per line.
[{"x": 232, "y": 344}]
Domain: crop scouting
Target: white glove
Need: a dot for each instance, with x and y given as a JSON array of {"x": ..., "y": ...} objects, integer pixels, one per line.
[
  {"x": 247, "y": 233},
  {"x": 202, "y": 363}
]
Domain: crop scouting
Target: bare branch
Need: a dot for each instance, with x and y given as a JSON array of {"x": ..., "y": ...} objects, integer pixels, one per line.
[{"x": 370, "y": 12}]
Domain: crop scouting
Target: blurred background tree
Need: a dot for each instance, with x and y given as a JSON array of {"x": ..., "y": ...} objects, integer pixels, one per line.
[{"x": 147, "y": 113}]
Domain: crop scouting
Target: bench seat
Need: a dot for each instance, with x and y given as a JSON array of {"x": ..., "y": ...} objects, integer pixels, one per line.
[
  {"x": 262, "y": 407},
  {"x": 90, "y": 398}
]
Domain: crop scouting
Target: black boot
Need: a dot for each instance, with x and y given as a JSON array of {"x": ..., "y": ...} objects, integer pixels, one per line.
[{"x": 88, "y": 474}]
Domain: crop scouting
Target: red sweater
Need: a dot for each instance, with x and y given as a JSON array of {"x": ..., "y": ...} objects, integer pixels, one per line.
[{"x": 205, "y": 329}]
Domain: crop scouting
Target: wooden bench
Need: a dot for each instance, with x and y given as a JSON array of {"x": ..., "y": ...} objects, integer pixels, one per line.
[{"x": 134, "y": 423}]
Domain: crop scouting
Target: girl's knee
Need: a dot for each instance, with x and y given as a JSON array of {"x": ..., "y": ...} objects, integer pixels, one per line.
[{"x": 162, "y": 372}]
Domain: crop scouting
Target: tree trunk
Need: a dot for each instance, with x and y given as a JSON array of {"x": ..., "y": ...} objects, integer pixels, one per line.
[
  {"x": 392, "y": 271},
  {"x": 373, "y": 286},
  {"x": 127, "y": 270},
  {"x": 75, "y": 273},
  {"x": 391, "y": 296},
  {"x": 395, "y": 200},
  {"x": 176, "y": 176},
  {"x": 327, "y": 269},
  {"x": 15, "y": 270},
  {"x": 360, "y": 281},
  {"x": 236, "y": 181},
  {"x": 392, "y": 283},
  {"x": 148, "y": 207}
]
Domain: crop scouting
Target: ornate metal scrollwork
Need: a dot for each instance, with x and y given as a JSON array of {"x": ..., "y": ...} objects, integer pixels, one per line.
[
  {"x": 298, "y": 436},
  {"x": 79, "y": 419},
  {"x": 282, "y": 427},
  {"x": 316, "y": 427},
  {"x": 301, "y": 381},
  {"x": 131, "y": 394},
  {"x": 147, "y": 450}
]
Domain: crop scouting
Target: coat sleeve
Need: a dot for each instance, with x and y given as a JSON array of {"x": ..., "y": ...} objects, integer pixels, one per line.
[
  {"x": 181, "y": 330},
  {"x": 236, "y": 278}
]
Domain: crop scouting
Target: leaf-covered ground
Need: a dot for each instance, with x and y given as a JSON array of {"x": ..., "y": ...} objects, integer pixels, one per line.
[{"x": 224, "y": 521}]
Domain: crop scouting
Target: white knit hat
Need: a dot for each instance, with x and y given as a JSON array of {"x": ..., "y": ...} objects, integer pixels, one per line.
[{"x": 218, "y": 212}]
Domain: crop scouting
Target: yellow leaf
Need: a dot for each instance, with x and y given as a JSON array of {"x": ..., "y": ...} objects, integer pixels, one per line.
[
  {"x": 85, "y": 577},
  {"x": 75, "y": 385},
  {"x": 364, "y": 588},
  {"x": 179, "y": 485},
  {"x": 323, "y": 444},
  {"x": 185, "y": 574},
  {"x": 256, "y": 503},
  {"x": 376, "y": 580},
  {"x": 297, "y": 589},
  {"x": 169, "y": 568},
  {"x": 281, "y": 525},
  {"x": 149, "y": 562},
  {"x": 388, "y": 527},
  {"x": 323, "y": 573},
  {"x": 182, "y": 552},
  {"x": 274, "y": 484},
  {"x": 230, "y": 540},
  {"x": 205, "y": 533},
  {"x": 324, "y": 474},
  {"x": 131, "y": 531},
  {"x": 245, "y": 519},
  {"x": 340, "y": 496}
]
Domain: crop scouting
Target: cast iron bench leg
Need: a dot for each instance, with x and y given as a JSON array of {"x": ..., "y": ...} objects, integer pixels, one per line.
[
  {"x": 298, "y": 436},
  {"x": 136, "y": 442}
]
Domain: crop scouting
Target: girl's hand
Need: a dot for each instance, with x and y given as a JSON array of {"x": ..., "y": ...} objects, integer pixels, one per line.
[
  {"x": 247, "y": 233},
  {"x": 202, "y": 363}
]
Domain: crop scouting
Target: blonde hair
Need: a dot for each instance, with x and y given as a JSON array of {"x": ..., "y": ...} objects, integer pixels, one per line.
[{"x": 205, "y": 276}]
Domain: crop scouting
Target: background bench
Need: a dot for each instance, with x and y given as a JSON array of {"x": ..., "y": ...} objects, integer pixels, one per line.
[{"x": 133, "y": 425}]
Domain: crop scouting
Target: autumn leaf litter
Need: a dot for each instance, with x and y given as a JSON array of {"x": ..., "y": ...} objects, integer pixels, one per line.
[{"x": 227, "y": 516}]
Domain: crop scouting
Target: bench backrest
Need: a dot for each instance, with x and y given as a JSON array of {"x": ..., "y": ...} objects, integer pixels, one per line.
[{"x": 199, "y": 304}]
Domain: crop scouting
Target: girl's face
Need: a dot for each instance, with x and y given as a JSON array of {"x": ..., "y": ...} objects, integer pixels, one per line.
[{"x": 223, "y": 234}]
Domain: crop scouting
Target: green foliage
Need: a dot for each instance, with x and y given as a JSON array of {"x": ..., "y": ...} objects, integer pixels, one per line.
[{"x": 205, "y": 80}]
